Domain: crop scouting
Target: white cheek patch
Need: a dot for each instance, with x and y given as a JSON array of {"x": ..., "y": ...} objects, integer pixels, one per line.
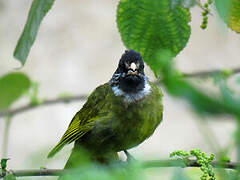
[{"x": 132, "y": 97}]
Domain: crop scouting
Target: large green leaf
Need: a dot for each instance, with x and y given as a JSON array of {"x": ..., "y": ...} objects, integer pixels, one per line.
[
  {"x": 12, "y": 86},
  {"x": 229, "y": 11},
  {"x": 37, "y": 12},
  {"x": 148, "y": 26}
]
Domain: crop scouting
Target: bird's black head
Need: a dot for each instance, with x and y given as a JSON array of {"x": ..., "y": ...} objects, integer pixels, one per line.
[{"x": 129, "y": 76}]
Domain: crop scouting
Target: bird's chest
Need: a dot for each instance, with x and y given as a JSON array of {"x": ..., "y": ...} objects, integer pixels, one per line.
[
  {"x": 133, "y": 127},
  {"x": 125, "y": 125},
  {"x": 129, "y": 125}
]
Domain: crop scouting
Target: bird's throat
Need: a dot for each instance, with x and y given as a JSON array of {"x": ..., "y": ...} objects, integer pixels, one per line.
[{"x": 131, "y": 90}]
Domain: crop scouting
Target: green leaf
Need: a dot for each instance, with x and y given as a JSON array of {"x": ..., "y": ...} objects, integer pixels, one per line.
[
  {"x": 37, "y": 12},
  {"x": 229, "y": 11},
  {"x": 12, "y": 86},
  {"x": 4, "y": 163},
  {"x": 149, "y": 26}
]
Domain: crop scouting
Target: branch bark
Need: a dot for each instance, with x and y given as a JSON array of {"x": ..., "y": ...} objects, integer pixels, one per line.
[
  {"x": 202, "y": 74},
  {"x": 145, "y": 165},
  {"x": 30, "y": 106}
]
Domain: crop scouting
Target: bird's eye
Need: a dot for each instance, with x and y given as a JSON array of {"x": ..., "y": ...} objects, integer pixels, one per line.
[{"x": 122, "y": 67}]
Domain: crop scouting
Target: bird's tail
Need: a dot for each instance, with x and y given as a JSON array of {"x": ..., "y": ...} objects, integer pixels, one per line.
[
  {"x": 79, "y": 158},
  {"x": 82, "y": 158}
]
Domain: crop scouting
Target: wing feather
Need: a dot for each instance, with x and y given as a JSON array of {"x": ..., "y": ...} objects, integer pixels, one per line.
[{"x": 84, "y": 120}]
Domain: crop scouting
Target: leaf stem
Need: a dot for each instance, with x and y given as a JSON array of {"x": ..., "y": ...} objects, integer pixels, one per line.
[{"x": 6, "y": 136}]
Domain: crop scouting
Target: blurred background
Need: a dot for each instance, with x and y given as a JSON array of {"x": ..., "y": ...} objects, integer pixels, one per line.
[{"x": 78, "y": 48}]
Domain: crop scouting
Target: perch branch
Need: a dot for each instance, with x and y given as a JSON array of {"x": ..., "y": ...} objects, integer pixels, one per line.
[
  {"x": 34, "y": 172},
  {"x": 30, "y": 106},
  {"x": 202, "y": 74},
  {"x": 145, "y": 165}
]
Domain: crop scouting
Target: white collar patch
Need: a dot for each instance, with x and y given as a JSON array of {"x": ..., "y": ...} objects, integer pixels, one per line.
[{"x": 132, "y": 97}]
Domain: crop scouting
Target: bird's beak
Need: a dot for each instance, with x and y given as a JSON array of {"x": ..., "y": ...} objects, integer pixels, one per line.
[{"x": 132, "y": 69}]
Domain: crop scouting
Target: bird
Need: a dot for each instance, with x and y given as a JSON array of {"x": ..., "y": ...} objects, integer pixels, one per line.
[{"x": 117, "y": 115}]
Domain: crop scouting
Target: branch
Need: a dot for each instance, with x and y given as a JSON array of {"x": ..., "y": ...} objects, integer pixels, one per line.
[
  {"x": 145, "y": 165},
  {"x": 202, "y": 74},
  {"x": 201, "y": 6},
  {"x": 189, "y": 163},
  {"x": 11, "y": 112},
  {"x": 30, "y": 106},
  {"x": 34, "y": 172}
]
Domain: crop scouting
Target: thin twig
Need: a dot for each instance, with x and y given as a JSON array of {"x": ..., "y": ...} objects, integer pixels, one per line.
[
  {"x": 190, "y": 163},
  {"x": 11, "y": 112},
  {"x": 145, "y": 165},
  {"x": 202, "y": 74},
  {"x": 30, "y": 106},
  {"x": 201, "y": 6}
]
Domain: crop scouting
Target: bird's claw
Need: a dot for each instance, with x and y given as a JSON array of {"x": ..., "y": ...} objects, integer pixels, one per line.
[{"x": 130, "y": 158}]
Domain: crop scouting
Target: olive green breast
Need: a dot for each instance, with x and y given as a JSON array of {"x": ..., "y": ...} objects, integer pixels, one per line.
[{"x": 122, "y": 125}]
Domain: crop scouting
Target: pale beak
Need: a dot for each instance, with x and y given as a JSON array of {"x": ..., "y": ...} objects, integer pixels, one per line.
[
  {"x": 132, "y": 70},
  {"x": 133, "y": 66}
]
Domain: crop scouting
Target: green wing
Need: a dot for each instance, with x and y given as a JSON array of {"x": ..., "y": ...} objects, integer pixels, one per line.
[{"x": 85, "y": 119}]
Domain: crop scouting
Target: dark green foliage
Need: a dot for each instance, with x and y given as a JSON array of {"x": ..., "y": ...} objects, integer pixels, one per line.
[
  {"x": 148, "y": 26},
  {"x": 12, "y": 86},
  {"x": 36, "y": 14},
  {"x": 3, "y": 170},
  {"x": 4, "y": 163}
]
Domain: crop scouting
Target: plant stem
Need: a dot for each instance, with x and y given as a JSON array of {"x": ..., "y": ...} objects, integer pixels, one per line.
[{"x": 6, "y": 136}]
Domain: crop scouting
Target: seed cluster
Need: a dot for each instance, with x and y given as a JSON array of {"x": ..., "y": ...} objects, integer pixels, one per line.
[
  {"x": 202, "y": 159},
  {"x": 205, "y": 13}
]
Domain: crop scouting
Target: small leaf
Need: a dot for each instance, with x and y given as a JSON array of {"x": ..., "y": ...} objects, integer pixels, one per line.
[
  {"x": 149, "y": 26},
  {"x": 12, "y": 86},
  {"x": 37, "y": 12},
  {"x": 229, "y": 11},
  {"x": 4, "y": 163},
  {"x": 226, "y": 72}
]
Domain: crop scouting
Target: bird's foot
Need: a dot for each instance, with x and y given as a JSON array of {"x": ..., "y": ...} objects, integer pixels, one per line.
[{"x": 130, "y": 158}]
